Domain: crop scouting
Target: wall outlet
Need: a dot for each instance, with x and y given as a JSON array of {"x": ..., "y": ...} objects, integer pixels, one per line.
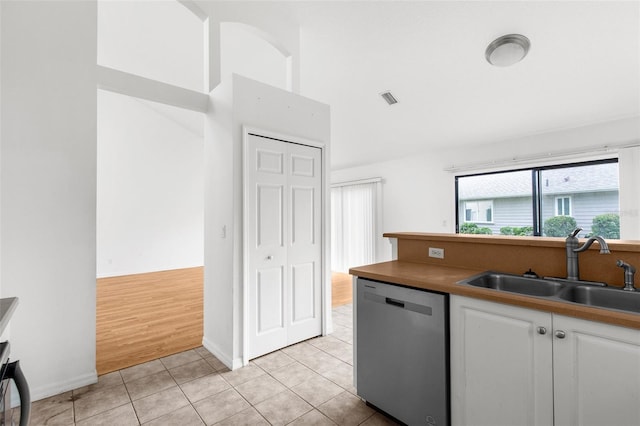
[{"x": 436, "y": 252}]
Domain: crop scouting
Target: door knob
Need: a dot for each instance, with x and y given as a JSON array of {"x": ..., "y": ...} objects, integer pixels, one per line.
[
  {"x": 542, "y": 330},
  {"x": 560, "y": 334},
  {"x": 269, "y": 257}
]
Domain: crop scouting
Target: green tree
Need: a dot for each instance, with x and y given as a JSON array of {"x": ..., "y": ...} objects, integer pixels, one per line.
[
  {"x": 606, "y": 225},
  {"x": 559, "y": 226},
  {"x": 518, "y": 231},
  {"x": 473, "y": 228}
]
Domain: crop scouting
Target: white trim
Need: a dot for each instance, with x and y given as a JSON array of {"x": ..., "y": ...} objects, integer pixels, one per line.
[
  {"x": 144, "y": 88},
  {"x": 57, "y": 388},
  {"x": 247, "y": 130},
  {"x": 327, "y": 326},
  {"x": 231, "y": 364},
  {"x": 245, "y": 247},
  {"x": 357, "y": 182}
]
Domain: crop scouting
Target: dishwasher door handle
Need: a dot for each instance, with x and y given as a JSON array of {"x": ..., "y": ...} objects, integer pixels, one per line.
[
  {"x": 384, "y": 300},
  {"x": 394, "y": 302}
]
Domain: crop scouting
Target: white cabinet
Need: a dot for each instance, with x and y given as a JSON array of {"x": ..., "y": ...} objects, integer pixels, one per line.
[
  {"x": 516, "y": 366},
  {"x": 596, "y": 372},
  {"x": 500, "y": 365}
]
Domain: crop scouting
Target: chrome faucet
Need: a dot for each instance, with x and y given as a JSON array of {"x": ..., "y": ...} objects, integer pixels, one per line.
[
  {"x": 629, "y": 272},
  {"x": 572, "y": 243}
]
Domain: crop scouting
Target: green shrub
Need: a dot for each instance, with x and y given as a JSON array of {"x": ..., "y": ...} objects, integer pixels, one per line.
[
  {"x": 472, "y": 228},
  {"x": 606, "y": 225},
  {"x": 518, "y": 231},
  {"x": 506, "y": 230},
  {"x": 559, "y": 226}
]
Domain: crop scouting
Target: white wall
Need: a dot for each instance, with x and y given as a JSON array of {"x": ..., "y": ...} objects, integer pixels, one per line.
[
  {"x": 234, "y": 104},
  {"x": 582, "y": 143},
  {"x": 269, "y": 20},
  {"x": 629, "y": 166},
  {"x": 415, "y": 193},
  {"x": 418, "y": 194},
  {"x": 150, "y": 212},
  {"x": 48, "y": 189},
  {"x": 244, "y": 52},
  {"x": 160, "y": 40}
]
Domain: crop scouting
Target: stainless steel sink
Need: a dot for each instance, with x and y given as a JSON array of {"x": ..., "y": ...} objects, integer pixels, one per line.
[
  {"x": 515, "y": 284},
  {"x": 602, "y": 297},
  {"x": 581, "y": 292}
]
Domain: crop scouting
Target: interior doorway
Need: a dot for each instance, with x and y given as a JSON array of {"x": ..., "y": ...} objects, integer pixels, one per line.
[
  {"x": 355, "y": 229},
  {"x": 149, "y": 234}
]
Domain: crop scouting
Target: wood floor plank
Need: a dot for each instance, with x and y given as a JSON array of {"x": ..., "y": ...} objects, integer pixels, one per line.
[
  {"x": 147, "y": 316},
  {"x": 341, "y": 289}
]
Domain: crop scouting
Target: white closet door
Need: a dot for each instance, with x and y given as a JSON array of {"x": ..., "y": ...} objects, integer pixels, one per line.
[
  {"x": 304, "y": 253},
  {"x": 283, "y": 204}
]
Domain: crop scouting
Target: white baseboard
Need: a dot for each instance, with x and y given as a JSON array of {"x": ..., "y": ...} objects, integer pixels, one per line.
[
  {"x": 55, "y": 388},
  {"x": 231, "y": 363}
]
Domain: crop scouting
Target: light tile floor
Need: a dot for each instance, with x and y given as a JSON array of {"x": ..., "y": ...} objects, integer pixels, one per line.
[{"x": 310, "y": 383}]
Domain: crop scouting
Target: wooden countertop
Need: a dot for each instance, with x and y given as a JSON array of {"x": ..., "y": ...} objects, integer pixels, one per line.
[
  {"x": 443, "y": 279},
  {"x": 510, "y": 240}
]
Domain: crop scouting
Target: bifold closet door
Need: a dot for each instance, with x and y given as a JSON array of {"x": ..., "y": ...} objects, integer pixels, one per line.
[{"x": 283, "y": 204}]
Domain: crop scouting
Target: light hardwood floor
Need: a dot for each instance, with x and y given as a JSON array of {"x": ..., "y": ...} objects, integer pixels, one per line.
[
  {"x": 341, "y": 289},
  {"x": 147, "y": 316},
  {"x": 143, "y": 317}
]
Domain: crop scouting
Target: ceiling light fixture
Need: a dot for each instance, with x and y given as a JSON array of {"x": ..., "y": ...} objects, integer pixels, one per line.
[
  {"x": 387, "y": 96},
  {"x": 507, "y": 50}
]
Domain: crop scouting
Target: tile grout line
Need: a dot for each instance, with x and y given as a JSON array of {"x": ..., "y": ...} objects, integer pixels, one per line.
[
  {"x": 135, "y": 412},
  {"x": 217, "y": 371}
]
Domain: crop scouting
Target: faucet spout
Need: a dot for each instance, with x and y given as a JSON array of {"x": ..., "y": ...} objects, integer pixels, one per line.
[
  {"x": 572, "y": 248},
  {"x": 604, "y": 247}
]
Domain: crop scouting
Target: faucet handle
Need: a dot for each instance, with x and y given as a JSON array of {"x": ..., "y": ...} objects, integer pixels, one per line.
[{"x": 575, "y": 232}]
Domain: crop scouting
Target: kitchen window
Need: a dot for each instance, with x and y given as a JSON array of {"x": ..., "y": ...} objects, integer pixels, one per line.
[{"x": 541, "y": 201}]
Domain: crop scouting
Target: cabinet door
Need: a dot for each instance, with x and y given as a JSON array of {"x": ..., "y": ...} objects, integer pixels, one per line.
[
  {"x": 501, "y": 364},
  {"x": 596, "y": 373}
]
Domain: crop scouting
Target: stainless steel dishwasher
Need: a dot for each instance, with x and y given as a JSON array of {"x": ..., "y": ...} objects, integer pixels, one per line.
[{"x": 402, "y": 352}]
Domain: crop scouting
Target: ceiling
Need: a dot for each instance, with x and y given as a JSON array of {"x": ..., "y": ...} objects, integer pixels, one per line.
[{"x": 583, "y": 68}]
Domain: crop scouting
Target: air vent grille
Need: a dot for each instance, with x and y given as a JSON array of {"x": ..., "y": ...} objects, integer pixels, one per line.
[{"x": 387, "y": 96}]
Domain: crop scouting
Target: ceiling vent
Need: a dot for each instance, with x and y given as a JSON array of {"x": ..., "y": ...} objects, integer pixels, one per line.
[{"x": 387, "y": 96}]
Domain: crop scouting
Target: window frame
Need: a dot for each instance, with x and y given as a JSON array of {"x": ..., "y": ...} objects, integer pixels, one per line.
[
  {"x": 570, "y": 202},
  {"x": 536, "y": 189},
  {"x": 478, "y": 202}
]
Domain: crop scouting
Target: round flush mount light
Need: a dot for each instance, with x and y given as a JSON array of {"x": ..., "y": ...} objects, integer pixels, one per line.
[{"x": 507, "y": 50}]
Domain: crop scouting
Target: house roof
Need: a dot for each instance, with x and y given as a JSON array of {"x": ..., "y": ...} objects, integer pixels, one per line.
[{"x": 571, "y": 180}]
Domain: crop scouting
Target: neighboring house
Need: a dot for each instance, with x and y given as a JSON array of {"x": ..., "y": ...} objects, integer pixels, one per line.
[{"x": 505, "y": 199}]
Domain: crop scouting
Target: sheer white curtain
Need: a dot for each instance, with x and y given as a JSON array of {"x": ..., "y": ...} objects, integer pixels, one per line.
[{"x": 353, "y": 225}]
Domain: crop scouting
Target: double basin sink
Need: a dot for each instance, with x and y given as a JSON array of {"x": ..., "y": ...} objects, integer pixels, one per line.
[{"x": 594, "y": 294}]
